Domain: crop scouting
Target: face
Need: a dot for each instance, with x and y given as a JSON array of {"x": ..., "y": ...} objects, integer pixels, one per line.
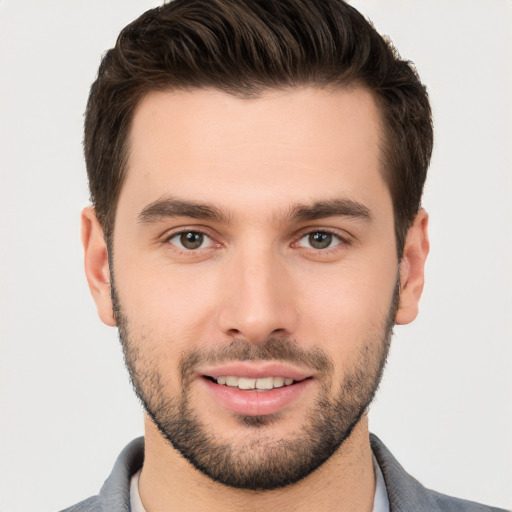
[{"x": 255, "y": 275}]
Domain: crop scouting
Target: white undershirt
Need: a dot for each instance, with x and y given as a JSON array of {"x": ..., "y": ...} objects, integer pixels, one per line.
[
  {"x": 380, "y": 501},
  {"x": 135, "y": 501}
]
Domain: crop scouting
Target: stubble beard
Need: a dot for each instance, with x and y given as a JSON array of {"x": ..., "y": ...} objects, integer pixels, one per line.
[{"x": 263, "y": 462}]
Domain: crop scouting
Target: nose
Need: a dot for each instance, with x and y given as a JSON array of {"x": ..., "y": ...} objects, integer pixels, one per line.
[{"x": 259, "y": 298}]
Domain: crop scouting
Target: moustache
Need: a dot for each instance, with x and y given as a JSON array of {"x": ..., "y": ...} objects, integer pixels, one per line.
[{"x": 281, "y": 349}]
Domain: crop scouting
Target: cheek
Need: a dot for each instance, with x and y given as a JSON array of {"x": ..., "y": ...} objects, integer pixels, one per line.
[
  {"x": 352, "y": 305},
  {"x": 164, "y": 322},
  {"x": 170, "y": 302}
]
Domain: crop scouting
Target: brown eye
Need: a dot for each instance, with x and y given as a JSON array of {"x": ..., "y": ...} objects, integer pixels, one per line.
[
  {"x": 190, "y": 240},
  {"x": 320, "y": 240}
]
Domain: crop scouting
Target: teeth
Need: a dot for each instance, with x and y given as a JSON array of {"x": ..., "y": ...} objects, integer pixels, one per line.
[
  {"x": 231, "y": 381},
  {"x": 266, "y": 383},
  {"x": 278, "y": 382},
  {"x": 246, "y": 383}
]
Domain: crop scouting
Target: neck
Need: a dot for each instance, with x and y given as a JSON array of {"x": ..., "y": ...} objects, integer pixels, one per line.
[{"x": 345, "y": 482}]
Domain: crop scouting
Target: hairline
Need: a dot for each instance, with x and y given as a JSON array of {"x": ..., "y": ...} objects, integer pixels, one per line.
[{"x": 260, "y": 90}]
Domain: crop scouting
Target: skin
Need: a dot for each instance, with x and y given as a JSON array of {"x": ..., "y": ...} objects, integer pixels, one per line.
[{"x": 255, "y": 160}]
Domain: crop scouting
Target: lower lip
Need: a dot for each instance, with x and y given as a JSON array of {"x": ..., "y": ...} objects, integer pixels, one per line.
[{"x": 256, "y": 403}]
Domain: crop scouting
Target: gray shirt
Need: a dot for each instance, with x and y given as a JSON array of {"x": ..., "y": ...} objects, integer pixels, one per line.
[
  {"x": 380, "y": 500},
  {"x": 404, "y": 492}
]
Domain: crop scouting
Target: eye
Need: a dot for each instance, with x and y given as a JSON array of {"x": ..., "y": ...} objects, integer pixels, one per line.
[
  {"x": 320, "y": 240},
  {"x": 190, "y": 240}
]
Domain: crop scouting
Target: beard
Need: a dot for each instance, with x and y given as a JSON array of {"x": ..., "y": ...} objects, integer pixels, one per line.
[{"x": 261, "y": 462}]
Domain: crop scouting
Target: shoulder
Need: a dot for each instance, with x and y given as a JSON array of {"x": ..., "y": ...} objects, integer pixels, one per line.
[
  {"x": 114, "y": 496},
  {"x": 88, "y": 505},
  {"x": 451, "y": 504},
  {"x": 405, "y": 493}
]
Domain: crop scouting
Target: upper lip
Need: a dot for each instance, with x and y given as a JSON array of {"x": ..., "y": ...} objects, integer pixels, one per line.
[{"x": 255, "y": 370}]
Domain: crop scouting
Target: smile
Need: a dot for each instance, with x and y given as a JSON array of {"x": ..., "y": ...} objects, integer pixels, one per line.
[
  {"x": 245, "y": 383},
  {"x": 256, "y": 396}
]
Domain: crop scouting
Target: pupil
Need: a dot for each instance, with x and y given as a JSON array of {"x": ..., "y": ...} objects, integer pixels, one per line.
[
  {"x": 191, "y": 240},
  {"x": 320, "y": 240}
]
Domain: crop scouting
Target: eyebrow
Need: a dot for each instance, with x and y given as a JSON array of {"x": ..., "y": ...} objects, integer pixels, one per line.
[
  {"x": 170, "y": 207},
  {"x": 330, "y": 208}
]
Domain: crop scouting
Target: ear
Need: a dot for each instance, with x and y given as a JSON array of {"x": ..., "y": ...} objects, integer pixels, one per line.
[
  {"x": 96, "y": 265},
  {"x": 412, "y": 269}
]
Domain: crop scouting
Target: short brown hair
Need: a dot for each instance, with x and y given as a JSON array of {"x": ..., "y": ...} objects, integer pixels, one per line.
[{"x": 245, "y": 47}]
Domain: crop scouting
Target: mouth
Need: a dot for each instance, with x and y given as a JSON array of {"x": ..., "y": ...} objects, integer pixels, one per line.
[
  {"x": 256, "y": 390},
  {"x": 257, "y": 384}
]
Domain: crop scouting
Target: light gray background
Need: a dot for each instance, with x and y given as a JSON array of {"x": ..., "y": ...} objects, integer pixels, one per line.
[{"x": 66, "y": 408}]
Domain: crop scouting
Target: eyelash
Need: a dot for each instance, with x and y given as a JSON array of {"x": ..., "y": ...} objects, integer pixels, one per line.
[
  {"x": 341, "y": 241},
  {"x": 182, "y": 232}
]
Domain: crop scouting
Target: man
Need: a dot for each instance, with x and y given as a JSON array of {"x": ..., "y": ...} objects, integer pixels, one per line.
[{"x": 256, "y": 171}]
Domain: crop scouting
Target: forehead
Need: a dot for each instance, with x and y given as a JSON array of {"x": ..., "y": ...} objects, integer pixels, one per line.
[{"x": 283, "y": 145}]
